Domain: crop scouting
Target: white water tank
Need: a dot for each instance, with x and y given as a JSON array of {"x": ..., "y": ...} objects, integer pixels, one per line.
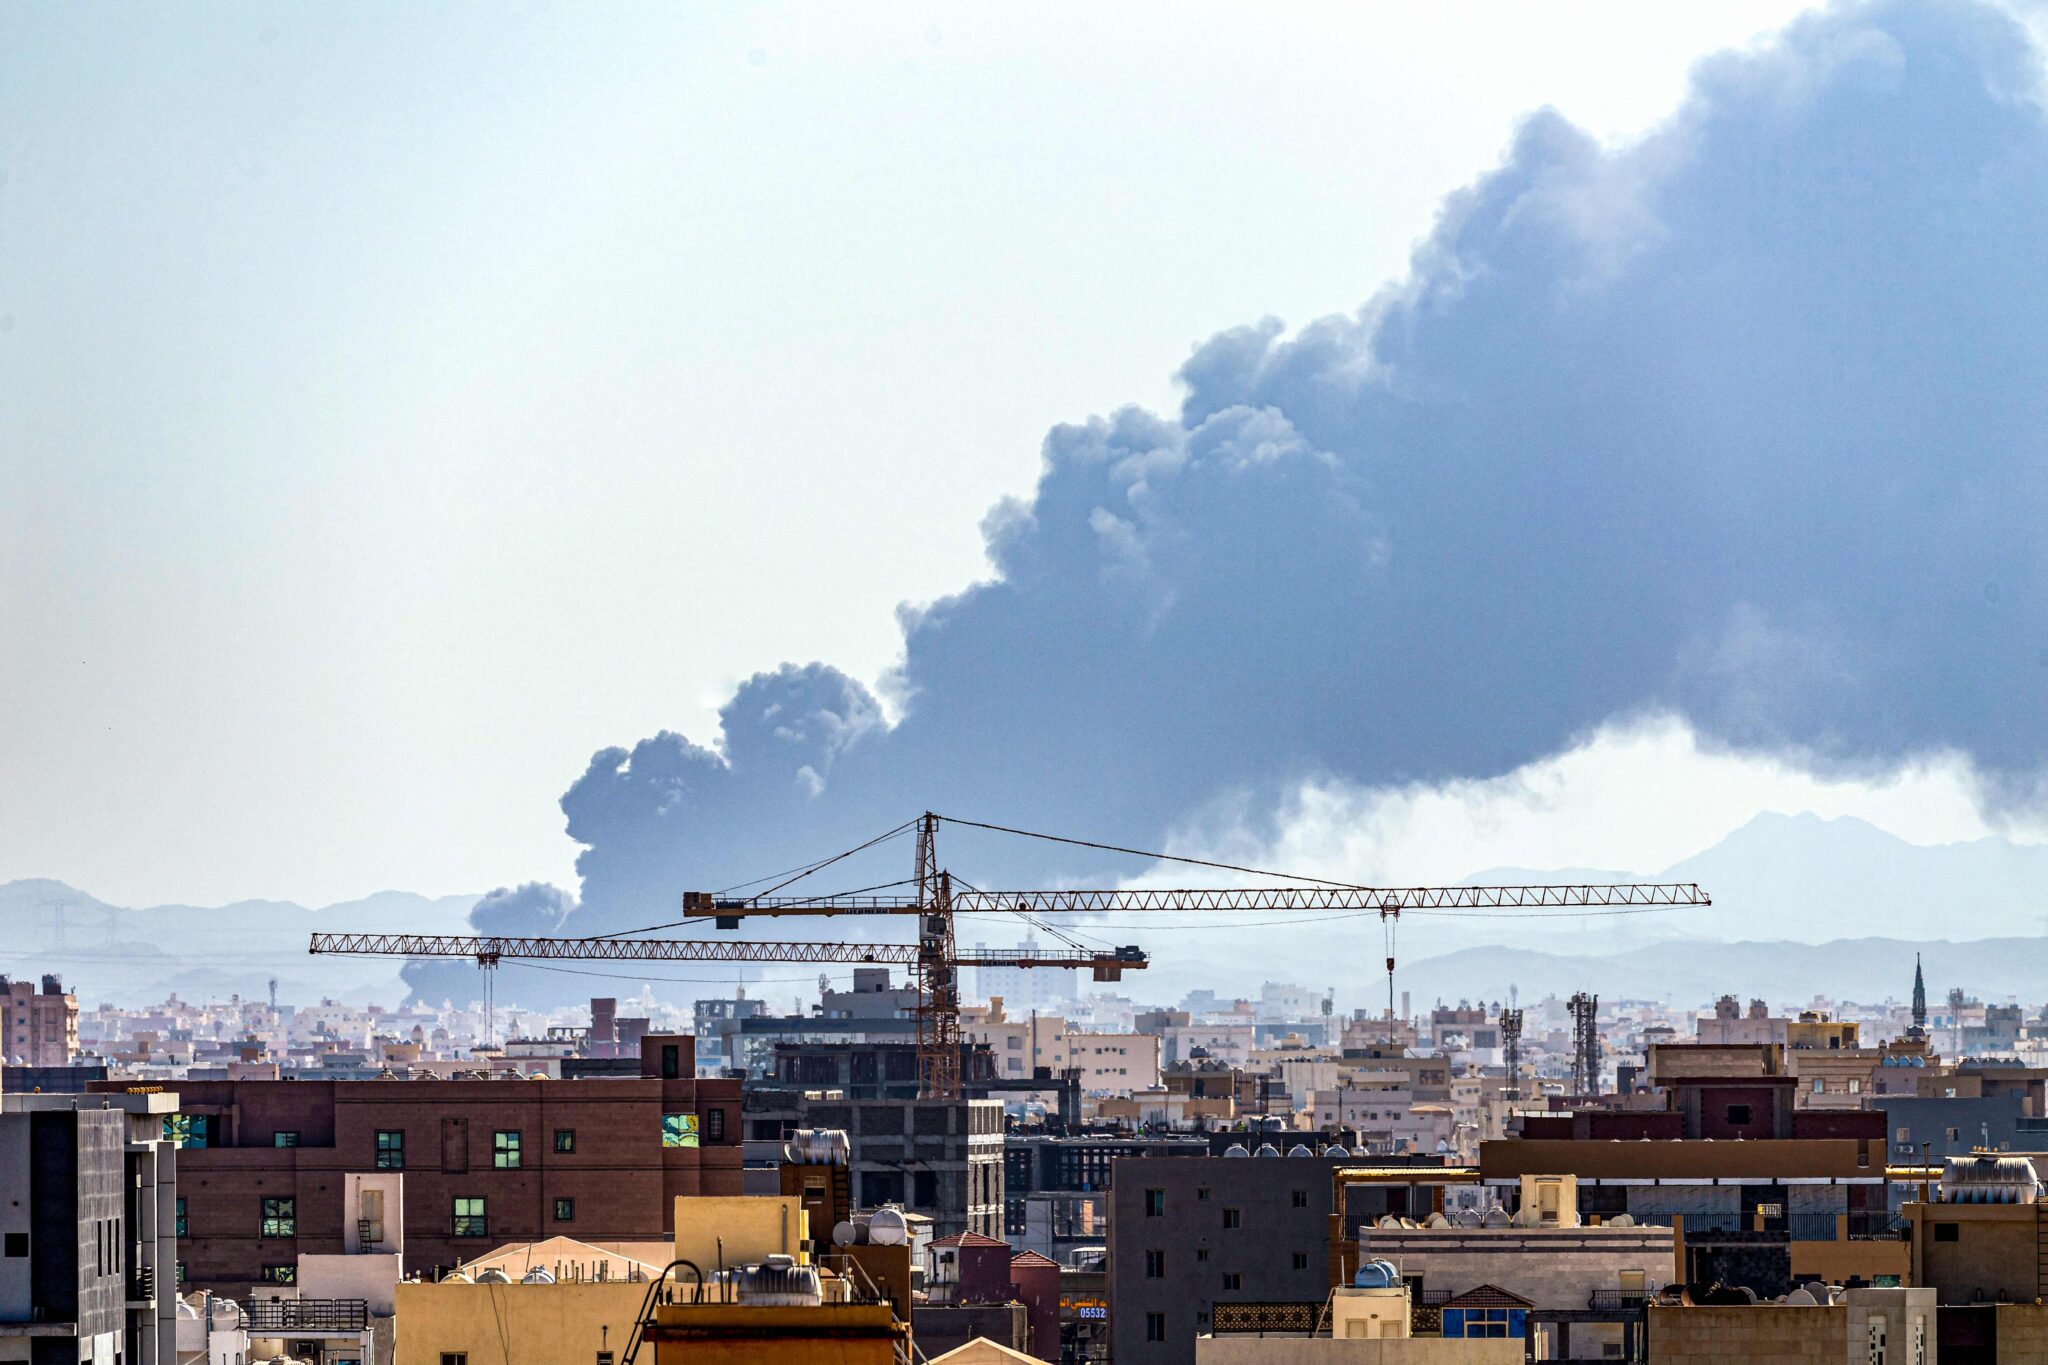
[{"x": 778, "y": 1281}]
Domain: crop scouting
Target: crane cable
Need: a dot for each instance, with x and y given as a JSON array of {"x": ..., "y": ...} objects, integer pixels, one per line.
[{"x": 1145, "y": 853}]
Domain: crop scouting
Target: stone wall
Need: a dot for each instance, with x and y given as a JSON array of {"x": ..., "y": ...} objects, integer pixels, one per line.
[{"x": 1767, "y": 1334}]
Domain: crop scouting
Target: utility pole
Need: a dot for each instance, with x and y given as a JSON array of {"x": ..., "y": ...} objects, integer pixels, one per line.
[
  {"x": 1511, "y": 1050},
  {"x": 1585, "y": 1045}
]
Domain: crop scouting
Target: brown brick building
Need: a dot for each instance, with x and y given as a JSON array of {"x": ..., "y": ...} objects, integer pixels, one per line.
[{"x": 484, "y": 1162}]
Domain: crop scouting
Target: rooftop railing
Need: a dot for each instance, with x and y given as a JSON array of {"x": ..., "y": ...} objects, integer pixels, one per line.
[{"x": 274, "y": 1316}]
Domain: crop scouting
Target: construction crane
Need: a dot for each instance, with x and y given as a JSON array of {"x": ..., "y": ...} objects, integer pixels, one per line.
[
  {"x": 938, "y": 898},
  {"x": 936, "y": 901}
]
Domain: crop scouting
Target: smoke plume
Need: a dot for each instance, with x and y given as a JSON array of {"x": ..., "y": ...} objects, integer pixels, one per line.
[{"x": 1742, "y": 422}]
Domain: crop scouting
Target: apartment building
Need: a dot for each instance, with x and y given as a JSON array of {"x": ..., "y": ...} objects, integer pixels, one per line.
[
  {"x": 88, "y": 1198},
  {"x": 1196, "y": 1244},
  {"x": 941, "y": 1158},
  {"x": 38, "y": 1028},
  {"x": 264, "y": 1163},
  {"x": 1105, "y": 1063}
]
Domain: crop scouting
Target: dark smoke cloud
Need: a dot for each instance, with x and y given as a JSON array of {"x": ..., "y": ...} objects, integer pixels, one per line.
[
  {"x": 1745, "y": 420},
  {"x": 531, "y": 908}
]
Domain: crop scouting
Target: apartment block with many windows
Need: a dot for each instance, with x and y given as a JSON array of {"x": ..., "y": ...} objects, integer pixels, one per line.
[{"x": 484, "y": 1162}]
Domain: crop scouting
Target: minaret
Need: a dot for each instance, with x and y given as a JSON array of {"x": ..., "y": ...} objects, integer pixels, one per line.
[{"x": 1919, "y": 1029}]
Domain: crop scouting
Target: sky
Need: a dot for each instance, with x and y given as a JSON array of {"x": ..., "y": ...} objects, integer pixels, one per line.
[{"x": 399, "y": 407}]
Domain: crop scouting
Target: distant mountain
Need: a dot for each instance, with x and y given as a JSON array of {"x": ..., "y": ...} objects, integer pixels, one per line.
[
  {"x": 119, "y": 954},
  {"x": 1814, "y": 879}
]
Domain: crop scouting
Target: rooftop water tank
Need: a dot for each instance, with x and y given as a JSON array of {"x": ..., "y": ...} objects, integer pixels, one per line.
[
  {"x": 1235, "y": 1149},
  {"x": 816, "y": 1147},
  {"x": 490, "y": 1274},
  {"x": 1301, "y": 1149},
  {"x": 1376, "y": 1275},
  {"x": 1268, "y": 1149},
  {"x": 887, "y": 1227},
  {"x": 778, "y": 1281},
  {"x": 1989, "y": 1179}
]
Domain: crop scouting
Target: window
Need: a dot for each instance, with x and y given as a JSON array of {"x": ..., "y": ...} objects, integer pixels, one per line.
[
  {"x": 284, "y": 1138},
  {"x": 1155, "y": 1327},
  {"x": 454, "y": 1358},
  {"x": 1301, "y": 1260},
  {"x": 192, "y": 1130},
  {"x": 280, "y": 1218},
  {"x": 1232, "y": 1280},
  {"x": 505, "y": 1151},
  {"x": 714, "y": 1125},
  {"x": 181, "y": 1215},
  {"x": 1301, "y": 1199},
  {"x": 671, "y": 1062},
  {"x": 470, "y": 1220},
  {"x": 1855, "y": 1085},
  {"x": 17, "y": 1244},
  {"x": 1954, "y": 1135},
  {"x": 1903, "y": 1135},
  {"x": 1948, "y": 1232},
  {"x": 565, "y": 1139},
  {"x": 565, "y": 1210},
  {"x": 1486, "y": 1322},
  {"x": 1155, "y": 1264},
  {"x": 390, "y": 1150},
  {"x": 1201, "y": 1253},
  {"x": 679, "y": 1130},
  {"x": 1231, "y": 1218},
  {"x": 1155, "y": 1204},
  {"x": 1201, "y": 1191},
  {"x": 1817, "y": 1086},
  {"x": 280, "y": 1274},
  {"x": 1738, "y": 1114}
]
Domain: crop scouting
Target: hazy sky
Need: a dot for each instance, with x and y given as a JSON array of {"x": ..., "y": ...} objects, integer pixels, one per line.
[{"x": 399, "y": 404}]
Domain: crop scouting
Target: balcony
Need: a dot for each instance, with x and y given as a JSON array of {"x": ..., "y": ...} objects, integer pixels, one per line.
[
  {"x": 281, "y": 1317},
  {"x": 1617, "y": 1300},
  {"x": 142, "y": 1286},
  {"x": 1874, "y": 1225}
]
